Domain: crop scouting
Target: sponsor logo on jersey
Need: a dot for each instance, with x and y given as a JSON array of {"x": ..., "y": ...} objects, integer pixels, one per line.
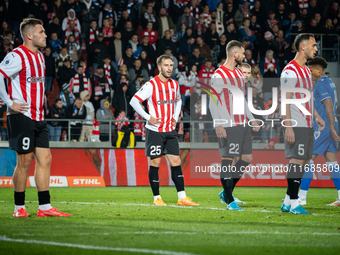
[
  {"x": 161, "y": 102},
  {"x": 35, "y": 79}
]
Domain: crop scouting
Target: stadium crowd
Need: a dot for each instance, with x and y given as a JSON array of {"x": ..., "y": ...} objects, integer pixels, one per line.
[{"x": 100, "y": 52}]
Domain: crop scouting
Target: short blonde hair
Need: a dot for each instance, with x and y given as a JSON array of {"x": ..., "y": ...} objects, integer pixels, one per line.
[{"x": 27, "y": 24}]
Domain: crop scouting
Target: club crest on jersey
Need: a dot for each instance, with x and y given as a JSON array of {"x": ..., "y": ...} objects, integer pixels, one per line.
[
  {"x": 317, "y": 134},
  {"x": 35, "y": 79}
]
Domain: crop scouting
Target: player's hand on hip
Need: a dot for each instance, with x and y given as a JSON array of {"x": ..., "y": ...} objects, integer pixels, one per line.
[
  {"x": 175, "y": 123},
  {"x": 220, "y": 132},
  {"x": 290, "y": 135},
  {"x": 335, "y": 135},
  {"x": 20, "y": 107},
  {"x": 155, "y": 121},
  {"x": 321, "y": 123},
  {"x": 256, "y": 126}
]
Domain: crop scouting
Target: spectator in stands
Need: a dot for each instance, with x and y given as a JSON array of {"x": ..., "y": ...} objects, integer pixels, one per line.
[
  {"x": 133, "y": 10},
  {"x": 211, "y": 36},
  {"x": 319, "y": 21},
  {"x": 121, "y": 116},
  {"x": 166, "y": 42},
  {"x": 270, "y": 81},
  {"x": 328, "y": 41},
  {"x": 312, "y": 8},
  {"x": 281, "y": 13},
  {"x": 86, "y": 131},
  {"x": 220, "y": 13},
  {"x": 128, "y": 58},
  {"x": 55, "y": 45},
  {"x": 314, "y": 29},
  {"x": 59, "y": 60},
  {"x": 123, "y": 19},
  {"x": 249, "y": 57},
  {"x": 271, "y": 144},
  {"x": 65, "y": 73},
  {"x": 241, "y": 13},
  {"x": 103, "y": 114},
  {"x": 76, "y": 111},
  {"x": 17, "y": 12},
  {"x": 135, "y": 71},
  {"x": 54, "y": 27},
  {"x": 136, "y": 49},
  {"x": 71, "y": 15},
  {"x": 271, "y": 21},
  {"x": 149, "y": 49},
  {"x": 205, "y": 51},
  {"x": 127, "y": 32},
  {"x": 121, "y": 101},
  {"x": 72, "y": 30},
  {"x": 98, "y": 50},
  {"x": 71, "y": 4},
  {"x": 183, "y": 63},
  {"x": 122, "y": 70},
  {"x": 229, "y": 14},
  {"x": 184, "y": 85},
  {"x": 288, "y": 24},
  {"x": 100, "y": 87},
  {"x": 244, "y": 31},
  {"x": 89, "y": 11},
  {"x": 106, "y": 13},
  {"x": 186, "y": 18},
  {"x": 268, "y": 43},
  {"x": 66, "y": 95},
  {"x": 91, "y": 34},
  {"x": 231, "y": 32},
  {"x": 116, "y": 49},
  {"x": 110, "y": 73},
  {"x": 206, "y": 72},
  {"x": 173, "y": 35},
  {"x": 288, "y": 55},
  {"x": 256, "y": 78},
  {"x": 333, "y": 11},
  {"x": 151, "y": 34},
  {"x": 37, "y": 9},
  {"x": 107, "y": 30},
  {"x": 57, "y": 111},
  {"x": 206, "y": 14},
  {"x": 50, "y": 70},
  {"x": 58, "y": 9},
  {"x": 269, "y": 59},
  {"x": 146, "y": 62},
  {"x": 87, "y": 71},
  {"x": 136, "y": 84},
  {"x": 187, "y": 47},
  {"x": 196, "y": 58},
  {"x": 164, "y": 23},
  {"x": 201, "y": 27},
  {"x": 188, "y": 33},
  {"x": 220, "y": 50},
  {"x": 149, "y": 16},
  {"x": 181, "y": 33},
  {"x": 80, "y": 83},
  {"x": 74, "y": 50}
]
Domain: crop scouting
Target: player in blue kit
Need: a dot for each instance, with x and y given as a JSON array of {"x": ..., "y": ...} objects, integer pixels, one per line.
[{"x": 325, "y": 141}]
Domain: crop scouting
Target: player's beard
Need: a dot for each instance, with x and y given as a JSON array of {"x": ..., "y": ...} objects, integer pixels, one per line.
[
  {"x": 239, "y": 60},
  {"x": 165, "y": 74}
]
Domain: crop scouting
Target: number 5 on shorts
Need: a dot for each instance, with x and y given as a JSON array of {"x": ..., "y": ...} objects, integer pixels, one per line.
[
  {"x": 155, "y": 150},
  {"x": 301, "y": 149},
  {"x": 25, "y": 143}
]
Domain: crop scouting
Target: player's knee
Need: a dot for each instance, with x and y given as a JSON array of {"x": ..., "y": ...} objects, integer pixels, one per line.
[
  {"x": 25, "y": 161},
  {"x": 155, "y": 162},
  {"x": 177, "y": 161}
]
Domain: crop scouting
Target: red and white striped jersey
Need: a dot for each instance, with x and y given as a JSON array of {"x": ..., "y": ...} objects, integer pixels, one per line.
[
  {"x": 25, "y": 72},
  {"x": 225, "y": 111},
  {"x": 161, "y": 98},
  {"x": 295, "y": 76}
]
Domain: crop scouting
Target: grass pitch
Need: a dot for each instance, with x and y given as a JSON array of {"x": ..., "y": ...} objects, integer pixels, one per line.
[{"x": 121, "y": 220}]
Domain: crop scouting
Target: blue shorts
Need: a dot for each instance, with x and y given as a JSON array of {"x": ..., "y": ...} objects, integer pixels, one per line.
[{"x": 323, "y": 140}]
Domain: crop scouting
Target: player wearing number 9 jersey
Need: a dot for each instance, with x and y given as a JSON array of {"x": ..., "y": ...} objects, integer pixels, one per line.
[
  {"x": 24, "y": 69},
  {"x": 164, "y": 104},
  {"x": 299, "y": 124}
]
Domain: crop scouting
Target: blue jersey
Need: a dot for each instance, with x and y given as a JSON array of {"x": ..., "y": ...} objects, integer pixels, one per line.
[{"x": 324, "y": 89}]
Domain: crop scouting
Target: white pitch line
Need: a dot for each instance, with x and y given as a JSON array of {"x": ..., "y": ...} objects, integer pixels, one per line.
[
  {"x": 177, "y": 206},
  {"x": 92, "y": 247},
  {"x": 195, "y": 233}
]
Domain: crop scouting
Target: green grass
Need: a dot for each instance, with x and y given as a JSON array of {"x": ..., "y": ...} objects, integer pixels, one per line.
[{"x": 121, "y": 217}]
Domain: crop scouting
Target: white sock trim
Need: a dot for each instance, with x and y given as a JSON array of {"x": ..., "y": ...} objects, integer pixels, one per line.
[
  {"x": 303, "y": 194},
  {"x": 287, "y": 200},
  {"x": 295, "y": 203},
  {"x": 181, "y": 194},
  {"x": 17, "y": 207},
  {"x": 45, "y": 207},
  {"x": 156, "y": 197}
]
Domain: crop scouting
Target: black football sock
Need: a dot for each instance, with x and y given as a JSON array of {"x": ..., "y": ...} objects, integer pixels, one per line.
[
  {"x": 44, "y": 197},
  {"x": 177, "y": 177},
  {"x": 293, "y": 179},
  {"x": 226, "y": 180},
  {"x": 154, "y": 180},
  {"x": 19, "y": 198},
  {"x": 240, "y": 167}
]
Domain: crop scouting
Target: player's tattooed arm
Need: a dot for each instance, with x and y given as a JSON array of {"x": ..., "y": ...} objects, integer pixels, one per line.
[
  {"x": 319, "y": 120},
  {"x": 331, "y": 118}
]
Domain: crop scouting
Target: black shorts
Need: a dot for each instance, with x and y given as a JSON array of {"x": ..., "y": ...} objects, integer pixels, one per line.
[
  {"x": 302, "y": 148},
  {"x": 160, "y": 143},
  {"x": 238, "y": 142},
  {"x": 26, "y": 134}
]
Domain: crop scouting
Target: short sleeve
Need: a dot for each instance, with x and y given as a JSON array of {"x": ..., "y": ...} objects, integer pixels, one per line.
[
  {"x": 288, "y": 79},
  {"x": 323, "y": 90},
  {"x": 11, "y": 64},
  {"x": 144, "y": 92}
]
